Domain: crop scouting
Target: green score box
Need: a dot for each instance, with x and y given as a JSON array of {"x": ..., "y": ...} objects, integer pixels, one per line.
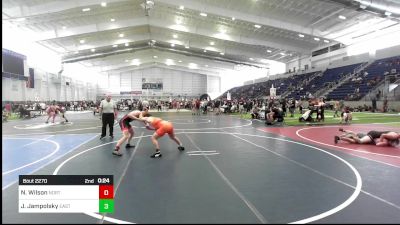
[{"x": 106, "y": 206}]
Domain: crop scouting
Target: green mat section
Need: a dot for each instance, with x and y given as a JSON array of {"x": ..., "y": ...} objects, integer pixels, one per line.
[{"x": 358, "y": 118}]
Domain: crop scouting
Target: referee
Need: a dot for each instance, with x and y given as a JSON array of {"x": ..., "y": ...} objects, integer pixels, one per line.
[{"x": 108, "y": 112}]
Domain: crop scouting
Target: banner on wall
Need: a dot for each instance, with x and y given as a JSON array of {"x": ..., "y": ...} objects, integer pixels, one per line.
[
  {"x": 30, "y": 82},
  {"x": 130, "y": 92},
  {"x": 152, "y": 83}
]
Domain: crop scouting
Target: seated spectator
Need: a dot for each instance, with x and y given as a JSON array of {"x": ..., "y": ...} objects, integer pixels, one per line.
[
  {"x": 275, "y": 115},
  {"x": 255, "y": 112}
]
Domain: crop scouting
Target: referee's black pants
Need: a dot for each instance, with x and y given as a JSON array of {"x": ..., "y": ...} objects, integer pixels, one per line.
[{"x": 107, "y": 118}]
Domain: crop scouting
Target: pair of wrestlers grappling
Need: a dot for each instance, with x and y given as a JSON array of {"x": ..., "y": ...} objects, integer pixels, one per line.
[{"x": 160, "y": 126}]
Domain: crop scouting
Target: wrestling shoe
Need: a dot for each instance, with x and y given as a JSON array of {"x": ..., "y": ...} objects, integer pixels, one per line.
[
  {"x": 181, "y": 148},
  {"x": 336, "y": 139},
  {"x": 156, "y": 155},
  {"x": 129, "y": 146},
  {"x": 341, "y": 129},
  {"x": 116, "y": 152}
]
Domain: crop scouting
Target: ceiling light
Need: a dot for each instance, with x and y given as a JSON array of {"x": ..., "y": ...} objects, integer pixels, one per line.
[
  {"x": 126, "y": 44},
  {"x": 21, "y": 19},
  {"x": 181, "y": 7},
  {"x": 114, "y": 46},
  {"x": 212, "y": 43},
  {"x": 153, "y": 40},
  {"x": 282, "y": 53},
  {"x": 82, "y": 41},
  {"x": 317, "y": 39},
  {"x": 269, "y": 51},
  {"x": 221, "y": 53},
  {"x": 251, "y": 59},
  {"x": 93, "y": 49},
  {"x": 85, "y": 9},
  {"x": 126, "y": 60},
  {"x": 186, "y": 46},
  {"x": 172, "y": 45},
  {"x": 388, "y": 13},
  {"x": 301, "y": 35},
  {"x": 204, "y": 50},
  {"x": 203, "y": 14},
  {"x": 112, "y": 19},
  {"x": 155, "y": 57},
  {"x": 175, "y": 36},
  {"x": 64, "y": 27},
  {"x": 363, "y": 6},
  {"x": 77, "y": 52},
  {"x": 121, "y": 35},
  {"x": 326, "y": 41},
  {"x": 342, "y": 17},
  {"x": 104, "y": 4},
  {"x": 180, "y": 61},
  {"x": 233, "y": 18},
  {"x": 257, "y": 26},
  {"x": 206, "y": 65}
]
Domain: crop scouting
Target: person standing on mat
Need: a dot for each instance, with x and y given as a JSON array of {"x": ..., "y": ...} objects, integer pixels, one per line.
[
  {"x": 51, "y": 112},
  {"x": 108, "y": 112},
  {"x": 61, "y": 110},
  {"x": 161, "y": 127},
  {"x": 127, "y": 130}
]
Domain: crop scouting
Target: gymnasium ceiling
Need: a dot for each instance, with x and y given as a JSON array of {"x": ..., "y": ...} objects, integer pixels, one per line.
[{"x": 209, "y": 35}]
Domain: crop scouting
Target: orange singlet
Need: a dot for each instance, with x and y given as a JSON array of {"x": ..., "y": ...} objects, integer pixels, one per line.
[{"x": 162, "y": 127}]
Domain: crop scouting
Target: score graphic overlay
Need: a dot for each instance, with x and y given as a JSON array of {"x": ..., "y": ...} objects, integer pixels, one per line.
[{"x": 66, "y": 193}]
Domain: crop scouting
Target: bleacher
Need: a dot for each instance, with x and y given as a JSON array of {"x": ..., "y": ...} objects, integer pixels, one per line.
[
  {"x": 258, "y": 90},
  {"x": 330, "y": 75},
  {"x": 365, "y": 82}
]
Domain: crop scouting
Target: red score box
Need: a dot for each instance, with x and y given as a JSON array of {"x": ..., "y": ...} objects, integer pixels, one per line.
[{"x": 106, "y": 192}]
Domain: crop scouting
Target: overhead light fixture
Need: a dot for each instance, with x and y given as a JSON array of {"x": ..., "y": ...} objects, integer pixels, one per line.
[
  {"x": 181, "y": 7},
  {"x": 85, "y": 9},
  {"x": 388, "y": 13},
  {"x": 212, "y": 43},
  {"x": 112, "y": 19},
  {"x": 21, "y": 19},
  {"x": 363, "y": 6},
  {"x": 221, "y": 53},
  {"x": 121, "y": 35},
  {"x": 251, "y": 59},
  {"x": 326, "y": 41},
  {"x": 93, "y": 49},
  {"x": 203, "y": 14},
  {"x": 126, "y": 60},
  {"x": 82, "y": 41},
  {"x": 175, "y": 36},
  {"x": 172, "y": 45},
  {"x": 206, "y": 65},
  {"x": 342, "y": 17},
  {"x": 282, "y": 53},
  {"x": 64, "y": 27},
  {"x": 154, "y": 41},
  {"x": 233, "y": 18},
  {"x": 180, "y": 61},
  {"x": 269, "y": 51},
  {"x": 126, "y": 44},
  {"x": 317, "y": 39},
  {"x": 186, "y": 46},
  {"x": 301, "y": 35},
  {"x": 155, "y": 56},
  {"x": 114, "y": 46},
  {"x": 136, "y": 62},
  {"x": 77, "y": 52},
  {"x": 104, "y": 4},
  {"x": 204, "y": 50},
  {"x": 257, "y": 26}
]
